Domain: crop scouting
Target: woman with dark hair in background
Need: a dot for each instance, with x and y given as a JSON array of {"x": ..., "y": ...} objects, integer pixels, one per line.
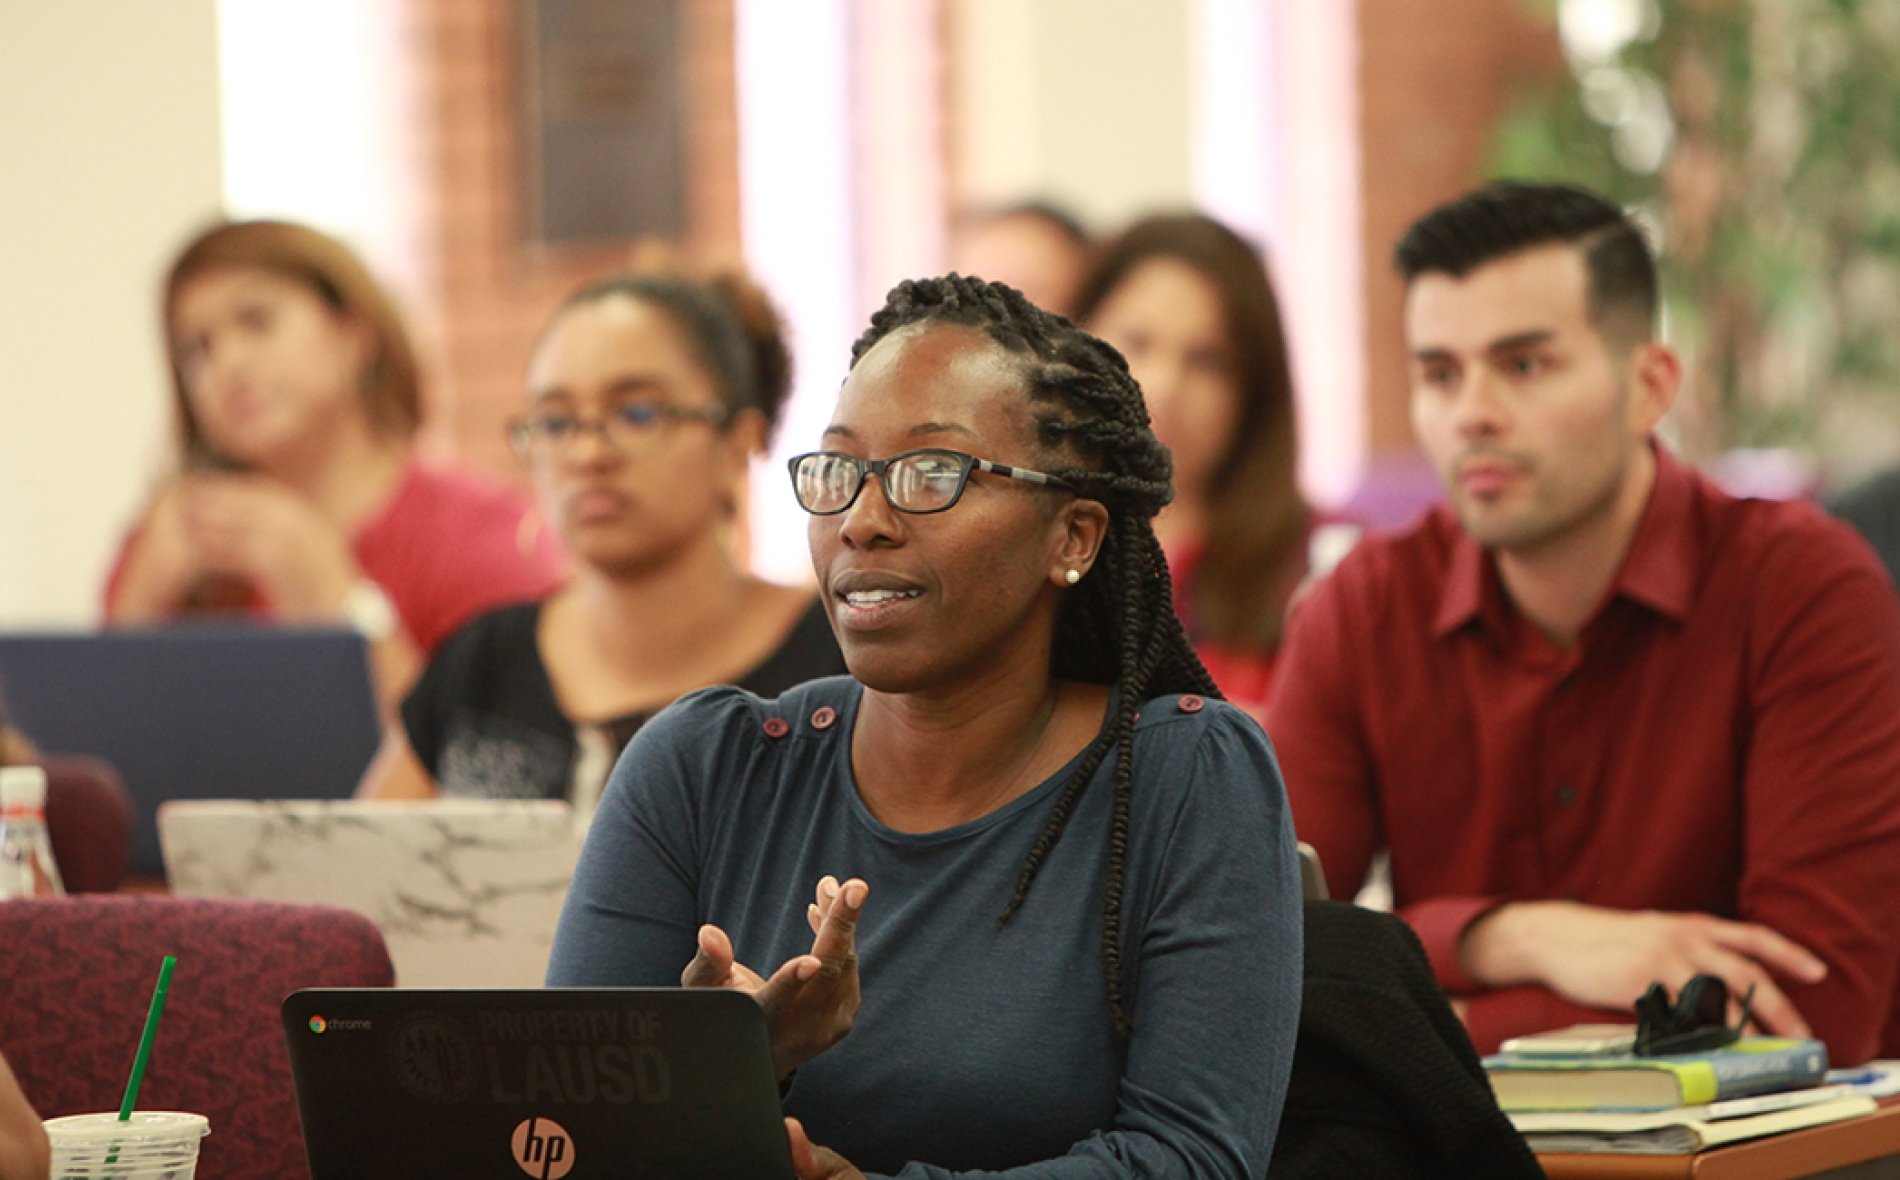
[
  {"x": 1056, "y": 868},
  {"x": 300, "y": 497},
  {"x": 647, "y": 397},
  {"x": 1189, "y": 304}
]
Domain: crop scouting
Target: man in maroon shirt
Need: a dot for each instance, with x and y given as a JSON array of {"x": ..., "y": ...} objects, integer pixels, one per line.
[{"x": 1612, "y": 725}]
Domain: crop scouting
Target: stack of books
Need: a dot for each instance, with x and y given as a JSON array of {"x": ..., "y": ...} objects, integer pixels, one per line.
[{"x": 1585, "y": 1090}]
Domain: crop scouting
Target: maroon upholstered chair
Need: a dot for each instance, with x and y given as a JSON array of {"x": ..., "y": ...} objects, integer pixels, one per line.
[
  {"x": 76, "y": 977},
  {"x": 89, "y": 819}
]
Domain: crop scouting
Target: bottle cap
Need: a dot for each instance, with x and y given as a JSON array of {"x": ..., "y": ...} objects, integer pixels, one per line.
[{"x": 22, "y": 786}]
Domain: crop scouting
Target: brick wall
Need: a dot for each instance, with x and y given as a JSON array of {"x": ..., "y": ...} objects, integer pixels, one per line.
[
  {"x": 478, "y": 292},
  {"x": 1433, "y": 78}
]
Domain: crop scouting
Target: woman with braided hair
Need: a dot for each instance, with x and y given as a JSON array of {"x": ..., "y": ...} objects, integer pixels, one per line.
[{"x": 1067, "y": 941}]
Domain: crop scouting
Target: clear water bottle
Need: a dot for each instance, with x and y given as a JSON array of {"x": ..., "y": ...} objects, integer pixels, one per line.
[{"x": 26, "y": 854}]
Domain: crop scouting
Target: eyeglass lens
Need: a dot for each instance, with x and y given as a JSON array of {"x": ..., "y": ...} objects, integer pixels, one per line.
[
  {"x": 623, "y": 426},
  {"x": 921, "y": 481}
]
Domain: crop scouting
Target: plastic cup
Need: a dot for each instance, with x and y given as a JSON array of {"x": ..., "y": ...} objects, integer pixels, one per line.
[{"x": 151, "y": 1145}]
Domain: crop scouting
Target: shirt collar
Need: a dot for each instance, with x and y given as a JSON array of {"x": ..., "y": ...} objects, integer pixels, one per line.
[{"x": 1658, "y": 572}]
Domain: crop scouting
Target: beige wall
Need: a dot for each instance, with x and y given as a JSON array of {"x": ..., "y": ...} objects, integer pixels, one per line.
[
  {"x": 1055, "y": 98},
  {"x": 108, "y": 153}
]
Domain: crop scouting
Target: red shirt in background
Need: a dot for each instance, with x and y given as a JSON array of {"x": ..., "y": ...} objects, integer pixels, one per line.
[
  {"x": 1724, "y": 737},
  {"x": 447, "y": 546},
  {"x": 1244, "y": 674}
]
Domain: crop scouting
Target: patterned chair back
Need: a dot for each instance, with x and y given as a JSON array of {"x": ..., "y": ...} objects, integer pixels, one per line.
[
  {"x": 89, "y": 819},
  {"x": 76, "y": 978}
]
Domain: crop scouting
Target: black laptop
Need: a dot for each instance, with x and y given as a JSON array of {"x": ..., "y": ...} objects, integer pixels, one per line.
[
  {"x": 656, "y": 1083},
  {"x": 199, "y": 711}
]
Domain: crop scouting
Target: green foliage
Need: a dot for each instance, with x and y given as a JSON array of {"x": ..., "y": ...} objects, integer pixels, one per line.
[{"x": 1777, "y": 205}]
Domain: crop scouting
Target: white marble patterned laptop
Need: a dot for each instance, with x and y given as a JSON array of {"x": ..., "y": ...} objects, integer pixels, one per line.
[{"x": 467, "y": 892}]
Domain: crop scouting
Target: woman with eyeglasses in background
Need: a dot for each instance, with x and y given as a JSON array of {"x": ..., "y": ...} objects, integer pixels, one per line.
[
  {"x": 648, "y": 396},
  {"x": 299, "y": 496},
  {"x": 1025, "y": 888}
]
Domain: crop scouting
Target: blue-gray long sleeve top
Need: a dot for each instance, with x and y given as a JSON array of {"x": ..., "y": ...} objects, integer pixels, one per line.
[{"x": 978, "y": 1050}]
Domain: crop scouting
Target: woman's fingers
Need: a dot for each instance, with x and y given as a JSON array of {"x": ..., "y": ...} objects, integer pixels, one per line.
[
  {"x": 836, "y": 941},
  {"x": 712, "y": 965}
]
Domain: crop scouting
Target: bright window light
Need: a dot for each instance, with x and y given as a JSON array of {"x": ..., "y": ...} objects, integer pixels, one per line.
[{"x": 796, "y": 211}]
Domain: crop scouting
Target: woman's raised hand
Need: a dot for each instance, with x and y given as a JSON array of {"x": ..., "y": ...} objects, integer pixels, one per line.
[{"x": 811, "y": 1000}]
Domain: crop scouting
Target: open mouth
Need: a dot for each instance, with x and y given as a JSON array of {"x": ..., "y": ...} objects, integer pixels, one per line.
[{"x": 871, "y": 599}]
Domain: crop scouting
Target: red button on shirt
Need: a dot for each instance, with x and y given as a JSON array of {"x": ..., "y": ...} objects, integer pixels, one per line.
[
  {"x": 823, "y": 717},
  {"x": 1724, "y": 737},
  {"x": 776, "y": 727}
]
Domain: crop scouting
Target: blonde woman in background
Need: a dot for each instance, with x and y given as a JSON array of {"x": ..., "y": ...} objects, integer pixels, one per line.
[{"x": 299, "y": 496}]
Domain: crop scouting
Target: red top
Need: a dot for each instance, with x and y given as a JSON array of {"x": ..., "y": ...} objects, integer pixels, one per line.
[
  {"x": 1723, "y": 738},
  {"x": 1243, "y": 674},
  {"x": 447, "y": 546}
]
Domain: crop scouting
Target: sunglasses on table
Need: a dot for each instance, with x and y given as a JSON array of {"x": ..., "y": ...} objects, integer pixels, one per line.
[{"x": 918, "y": 482}]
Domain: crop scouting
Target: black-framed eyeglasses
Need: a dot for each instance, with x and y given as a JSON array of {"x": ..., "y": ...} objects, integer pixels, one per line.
[
  {"x": 918, "y": 482},
  {"x": 625, "y": 427}
]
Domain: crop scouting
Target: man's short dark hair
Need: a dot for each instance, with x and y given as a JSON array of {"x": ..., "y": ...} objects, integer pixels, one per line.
[{"x": 1508, "y": 217}]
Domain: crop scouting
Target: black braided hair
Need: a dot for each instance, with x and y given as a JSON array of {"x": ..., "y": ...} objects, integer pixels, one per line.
[{"x": 1117, "y": 626}]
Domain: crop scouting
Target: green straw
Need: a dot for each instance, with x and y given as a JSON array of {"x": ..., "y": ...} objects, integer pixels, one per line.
[{"x": 145, "y": 1041}]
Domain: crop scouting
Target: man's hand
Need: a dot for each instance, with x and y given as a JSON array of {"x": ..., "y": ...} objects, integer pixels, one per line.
[
  {"x": 811, "y": 1000},
  {"x": 1605, "y": 958},
  {"x": 812, "y": 1162}
]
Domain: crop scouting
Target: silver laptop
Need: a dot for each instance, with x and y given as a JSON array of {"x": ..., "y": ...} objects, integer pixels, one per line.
[
  {"x": 467, "y": 892},
  {"x": 658, "y": 1083}
]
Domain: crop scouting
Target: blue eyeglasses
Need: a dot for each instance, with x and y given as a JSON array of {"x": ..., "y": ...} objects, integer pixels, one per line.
[{"x": 626, "y": 427}]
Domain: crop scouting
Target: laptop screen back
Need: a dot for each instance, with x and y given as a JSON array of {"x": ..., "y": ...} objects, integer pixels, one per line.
[
  {"x": 660, "y": 1083},
  {"x": 467, "y": 892},
  {"x": 198, "y": 712}
]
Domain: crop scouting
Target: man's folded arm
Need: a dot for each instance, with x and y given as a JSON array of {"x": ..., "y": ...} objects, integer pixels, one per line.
[{"x": 1821, "y": 788}]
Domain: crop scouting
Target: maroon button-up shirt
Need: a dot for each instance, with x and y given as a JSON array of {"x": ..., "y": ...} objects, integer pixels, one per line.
[{"x": 1724, "y": 737}]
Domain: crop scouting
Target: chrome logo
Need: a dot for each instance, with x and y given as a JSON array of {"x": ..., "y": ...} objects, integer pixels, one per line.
[{"x": 318, "y": 1024}]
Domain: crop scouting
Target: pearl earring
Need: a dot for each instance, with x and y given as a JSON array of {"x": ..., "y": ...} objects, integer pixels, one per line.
[{"x": 1073, "y": 576}]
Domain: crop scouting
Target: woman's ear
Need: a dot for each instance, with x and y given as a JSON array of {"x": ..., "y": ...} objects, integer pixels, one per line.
[
  {"x": 1084, "y": 524},
  {"x": 743, "y": 437},
  {"x": 747, "y": 431},
  {"x": 366, "y": 352}
]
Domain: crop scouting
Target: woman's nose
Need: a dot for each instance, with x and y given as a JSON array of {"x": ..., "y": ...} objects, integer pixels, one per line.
[{"x": 871, "y": 520}]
